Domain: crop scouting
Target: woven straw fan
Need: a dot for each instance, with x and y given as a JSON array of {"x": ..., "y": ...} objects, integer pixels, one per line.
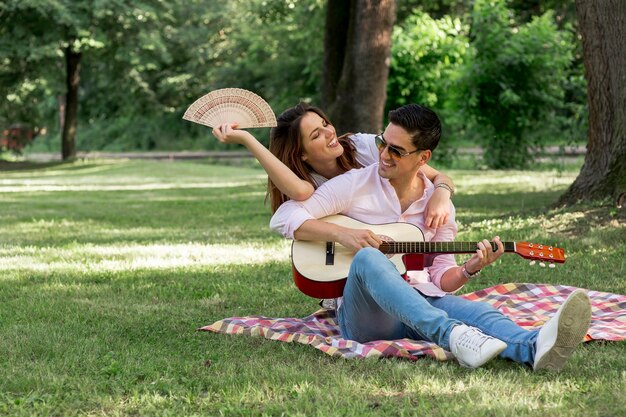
[{"x": 231, "y": 105}]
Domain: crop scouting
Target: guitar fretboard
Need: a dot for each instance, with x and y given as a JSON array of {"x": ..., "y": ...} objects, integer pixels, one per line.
[{"x": 438, "y": 247}]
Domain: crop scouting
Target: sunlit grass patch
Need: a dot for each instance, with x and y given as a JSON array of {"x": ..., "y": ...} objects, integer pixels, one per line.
[
  {"x": 7, "y": 187},
  {"x": 122, "y": 172},
  {"x": 99, "y": 258},
  {"x": 504, "y": 182}
]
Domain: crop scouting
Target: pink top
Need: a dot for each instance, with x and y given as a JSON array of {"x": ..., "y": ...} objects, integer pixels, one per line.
[{"x": 363, "y": 195}]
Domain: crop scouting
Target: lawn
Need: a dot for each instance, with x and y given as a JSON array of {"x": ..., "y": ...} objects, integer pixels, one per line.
[{"x": 109, "y": 267}]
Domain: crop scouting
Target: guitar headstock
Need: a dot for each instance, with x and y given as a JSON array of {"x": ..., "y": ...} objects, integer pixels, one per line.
[{"x": 539, "y": 252}]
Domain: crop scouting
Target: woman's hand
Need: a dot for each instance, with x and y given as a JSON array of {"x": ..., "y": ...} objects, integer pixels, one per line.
[
  {"x": 484, "y": 255},
  {"x": 228, "y": 133},
  {"x": 438, "y": 208}
]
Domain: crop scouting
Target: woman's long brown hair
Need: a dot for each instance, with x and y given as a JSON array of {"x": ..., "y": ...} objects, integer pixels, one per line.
[{"x": 286, "y": 145}]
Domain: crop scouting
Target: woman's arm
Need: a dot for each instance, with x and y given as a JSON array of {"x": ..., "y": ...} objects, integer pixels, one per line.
[
  {"x": 437, "y": 177},
  {"x": 352, "y": 239},
  {"x": 284, "y": 178},
  {"x": 438, "y": 208}
]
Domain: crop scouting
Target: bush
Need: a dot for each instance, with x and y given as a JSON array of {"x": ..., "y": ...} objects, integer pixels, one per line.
[
  {"x": 513, "y": 82},
  {"x": 426, "y": 55}
]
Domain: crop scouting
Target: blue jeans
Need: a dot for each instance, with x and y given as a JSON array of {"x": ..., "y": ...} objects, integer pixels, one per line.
[{"x": 378, "y": 304}]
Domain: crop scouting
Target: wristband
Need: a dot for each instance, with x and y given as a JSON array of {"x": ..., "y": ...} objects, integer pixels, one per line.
[
  {"x": 466, "y": 273},
  {"x": 445, "y": 186}
]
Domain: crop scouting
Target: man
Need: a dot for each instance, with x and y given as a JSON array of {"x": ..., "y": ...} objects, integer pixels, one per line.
[{"x": 378, "y": 303}]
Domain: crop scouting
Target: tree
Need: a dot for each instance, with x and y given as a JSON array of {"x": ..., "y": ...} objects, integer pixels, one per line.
[
  {"x": 514, "y": 81},
  {"x": 602, "y": 24},
  {"x": 36, "y": 33},
  {"x": 357, "y": 47},
  {"x": 70, "y": 119}
]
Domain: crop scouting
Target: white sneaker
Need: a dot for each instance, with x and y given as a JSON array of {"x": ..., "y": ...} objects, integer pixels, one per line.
[
  {"x": 472, "y": 348},
  {"x": 562, "y": 333}
]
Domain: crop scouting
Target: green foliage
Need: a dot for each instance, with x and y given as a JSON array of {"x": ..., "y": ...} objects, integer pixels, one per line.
[
  {"x": 435, "y": 8},
  {"x": 26, "y": 42},
  {"x": 275, "y": 49},
  {"x": 514, "y": 81},
  {"x": 144, "y": 61},
  {"x": 117, "y": 40},
  {"x": 426, "y": 55}
]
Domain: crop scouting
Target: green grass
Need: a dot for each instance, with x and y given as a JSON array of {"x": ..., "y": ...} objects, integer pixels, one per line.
[{"x": 109, "y": 267}]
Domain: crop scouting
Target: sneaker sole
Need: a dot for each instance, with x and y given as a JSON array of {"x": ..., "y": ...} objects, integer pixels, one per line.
[{"x": 573, "y": 324}]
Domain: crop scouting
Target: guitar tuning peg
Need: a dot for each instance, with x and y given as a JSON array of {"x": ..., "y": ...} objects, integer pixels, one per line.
[
  {"x": 552, "y": 265},
  {"x": 532, "y": 263},
  {"x": 541, "y": 264}
]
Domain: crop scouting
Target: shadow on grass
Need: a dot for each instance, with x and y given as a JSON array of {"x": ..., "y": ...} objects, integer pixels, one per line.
[
  {"x": 575, "y": 220},
  {"x": 29, "y": 165},
  {"x": 590, "y": 218},
  {"x": 477, "y": 207}
]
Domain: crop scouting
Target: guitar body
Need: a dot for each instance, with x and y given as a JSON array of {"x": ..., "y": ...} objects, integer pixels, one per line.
[{"x": 315, "y": 277}]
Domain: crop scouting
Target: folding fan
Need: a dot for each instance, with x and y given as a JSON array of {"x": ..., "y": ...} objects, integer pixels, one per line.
[{"x": 234, "y": 105}]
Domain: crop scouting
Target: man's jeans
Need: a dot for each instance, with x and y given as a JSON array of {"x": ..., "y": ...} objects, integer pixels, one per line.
[{"x": 379, "y": 305}]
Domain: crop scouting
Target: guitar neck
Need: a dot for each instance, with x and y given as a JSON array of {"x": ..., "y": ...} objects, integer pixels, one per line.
[{"x": 438, "y": 247}]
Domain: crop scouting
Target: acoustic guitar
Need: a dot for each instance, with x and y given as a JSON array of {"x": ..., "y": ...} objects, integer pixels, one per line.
[{"x": 320, "y": 269}]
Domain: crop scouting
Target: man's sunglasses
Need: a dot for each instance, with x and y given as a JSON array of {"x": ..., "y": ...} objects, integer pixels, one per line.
[{"x": 395, "y": 153}]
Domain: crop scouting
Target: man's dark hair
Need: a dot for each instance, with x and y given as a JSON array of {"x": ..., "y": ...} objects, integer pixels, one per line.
[{"x": 420, "y": 122}]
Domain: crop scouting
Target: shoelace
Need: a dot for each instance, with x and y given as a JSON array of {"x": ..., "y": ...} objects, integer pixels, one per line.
[{"x": 472, "y": 339}]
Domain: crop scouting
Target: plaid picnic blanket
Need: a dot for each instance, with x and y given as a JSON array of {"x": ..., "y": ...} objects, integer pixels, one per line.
[{"x": 529, "y": 305}]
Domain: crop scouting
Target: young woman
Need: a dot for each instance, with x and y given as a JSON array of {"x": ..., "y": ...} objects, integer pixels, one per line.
[{"x": 305, "y": 151}]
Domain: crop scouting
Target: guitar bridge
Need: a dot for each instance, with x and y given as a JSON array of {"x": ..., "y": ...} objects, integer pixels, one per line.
[{"x": 330, "y": 253}]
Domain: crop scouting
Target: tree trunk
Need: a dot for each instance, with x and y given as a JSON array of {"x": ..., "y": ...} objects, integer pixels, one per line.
[
  {"x": 602, "y": 25},
  {"x": 354, "y": 92},
  {"x": 335, "y": 40},
  {"x": 68, "y": 140}
]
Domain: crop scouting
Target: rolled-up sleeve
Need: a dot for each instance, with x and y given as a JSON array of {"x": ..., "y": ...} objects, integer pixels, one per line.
[
  {"x": 288, "y": 218},
  {"x": 443, "y": 263},
  {"x": 332, "y": 197}
]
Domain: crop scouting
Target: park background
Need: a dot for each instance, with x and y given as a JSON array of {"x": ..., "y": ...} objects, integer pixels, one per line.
[{"x": 109, "y": 265}]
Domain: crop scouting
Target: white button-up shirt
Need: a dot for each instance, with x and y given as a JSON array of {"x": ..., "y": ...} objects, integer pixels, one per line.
[{"x": 365, "y": 196}]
